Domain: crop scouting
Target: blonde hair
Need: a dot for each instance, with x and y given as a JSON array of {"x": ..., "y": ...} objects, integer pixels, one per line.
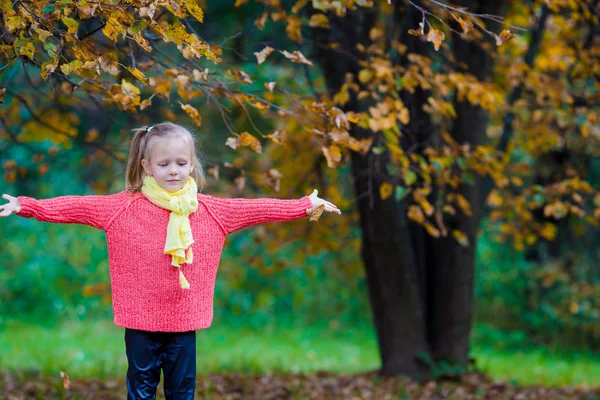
[{"x": 141, "y": 148}]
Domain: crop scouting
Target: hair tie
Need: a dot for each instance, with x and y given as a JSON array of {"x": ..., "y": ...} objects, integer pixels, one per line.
[{"x": 149, "y": 128}]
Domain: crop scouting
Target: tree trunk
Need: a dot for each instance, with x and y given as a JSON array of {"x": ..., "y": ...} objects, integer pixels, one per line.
[{"x": 452, "y": 267}]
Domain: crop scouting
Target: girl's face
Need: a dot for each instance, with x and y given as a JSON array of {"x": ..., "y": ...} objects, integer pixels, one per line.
[{"x": 170, "y": 163}]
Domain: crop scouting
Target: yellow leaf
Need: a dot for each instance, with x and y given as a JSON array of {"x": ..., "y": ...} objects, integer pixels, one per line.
[
  {"x": 128, "y": 88},
  {"x": 91, "y": 135},
  {"x": 293, "y": 29},
  {"x": 333, "y": 155},
  {"x": 426, "y": 206},
  {"x": 375, "y": 33},
  {"x": 246, "y": 139},
  {"x": 574, "y": 307},
  {"x": 111, "y": 29},
  {"x": 437, "y": 37},
  {"x": 262, "y": 55},
  {"x": 548, "y": 231},
  {"x": 14, "y": 23},
  {"x": 319, "y": 21},
  {"x": 461, "y": 238},
  {"x": 138, "y": 74},
  {"x": 365, "y": 75},
  {"x": 316, "y": 213},
  {"x": 415, "y": 213},
  {"x": 503, "y": 37},
  {"x": 192, "y": 112},
  {"x": 385, "y": 190},
  {"x": 145, "y": 104},
  {"x": 27, "y": 50},
  {"x": 296, "y": 57},
  {"x": 432, "y": 230},
  {"x": 71, "y": 24},
  {"x": 239, "y": 3},
  {"x": 194, "y": 10},
  {"x": 494, "y": 199}
]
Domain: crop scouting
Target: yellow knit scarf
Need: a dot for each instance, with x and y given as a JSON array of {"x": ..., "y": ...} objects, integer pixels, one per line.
[{"x": 179, "y": 232}]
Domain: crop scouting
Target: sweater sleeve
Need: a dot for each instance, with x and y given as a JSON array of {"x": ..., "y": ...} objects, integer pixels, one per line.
[
  {"x": 95, "y": 211},
  {"x": 238, "y": 213}
]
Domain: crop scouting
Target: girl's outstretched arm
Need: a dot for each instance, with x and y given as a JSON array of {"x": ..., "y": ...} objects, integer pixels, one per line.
[
  {"x": 95, "y": 211},
  {"x": 239, "y": 213}
]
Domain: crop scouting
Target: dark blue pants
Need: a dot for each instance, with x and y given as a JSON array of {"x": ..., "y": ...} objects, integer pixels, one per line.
[{"x": 149, "y": 352}]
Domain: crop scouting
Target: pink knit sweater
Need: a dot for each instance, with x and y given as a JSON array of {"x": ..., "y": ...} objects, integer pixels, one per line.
[{"x": 145, "y": 287}]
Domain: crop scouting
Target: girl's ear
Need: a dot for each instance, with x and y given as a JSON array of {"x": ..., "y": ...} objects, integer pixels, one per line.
[{"x": 145, "y": 166}]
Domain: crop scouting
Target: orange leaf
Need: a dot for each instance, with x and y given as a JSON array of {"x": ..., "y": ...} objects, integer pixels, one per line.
[
  {"x": 418, "y": 32},
  {"x": 246, "y": 139},
  {"x": 192, "y": 112},
  {"x": 503, "y": 37},
  {"x": 415, "y": 213}
]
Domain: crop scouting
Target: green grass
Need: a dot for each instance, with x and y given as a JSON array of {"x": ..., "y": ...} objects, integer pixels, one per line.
[{"x": 97, "y": 350}]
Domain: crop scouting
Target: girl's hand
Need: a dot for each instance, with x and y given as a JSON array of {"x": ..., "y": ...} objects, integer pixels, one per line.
[
  {"x": 317, "y": 201},
  {"x": 12, "y": 207}
]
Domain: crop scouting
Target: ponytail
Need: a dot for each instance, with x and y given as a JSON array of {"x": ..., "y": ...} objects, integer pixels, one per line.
[{"x": 134, "y": 176}]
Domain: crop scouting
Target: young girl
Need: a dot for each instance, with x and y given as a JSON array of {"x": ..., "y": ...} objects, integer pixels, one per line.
[{"x": 164, "y": 243}]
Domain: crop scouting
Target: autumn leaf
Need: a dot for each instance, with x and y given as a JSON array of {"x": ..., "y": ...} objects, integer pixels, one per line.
[
  {"x": 192, "y": 112},
  {"x": 262, "y": 55},
  {"x": 461, "y": 238},
  {"x": 232, "y": 142},
  {"x": 246, "y": 139},
  {"x": 296, "y": 57},
  {"x": 333, "y": 155},
  {"x": 418, "y": 32},
  {"x": 138, "y": 74},
  {"x": 293, "y": 29},
  {"x": 129, "y": 88},
  {"x": 66, "y": 380},
  {"x": 385, "y": 190},
  {"x": 376, "y": 33},
  {"x": 240, "y": 76},
  {"x": 194, "y": 9},
  {"x": 416, "y": 214},
  {"x": 437, "y": 37},
  {"x": 71, "y": 24},
  {"x": 465, "y": 25},
  {"x": 315, "y": 213},
  {"x": 503, "y": 37},
  {"x": 270, "y": 86},
  {"x": 318, "y": 21},
  {"x": 2, "y": 92}
]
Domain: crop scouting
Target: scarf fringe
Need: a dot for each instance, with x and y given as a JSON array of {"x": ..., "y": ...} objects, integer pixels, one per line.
[{"x": 182, "y": 281}]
